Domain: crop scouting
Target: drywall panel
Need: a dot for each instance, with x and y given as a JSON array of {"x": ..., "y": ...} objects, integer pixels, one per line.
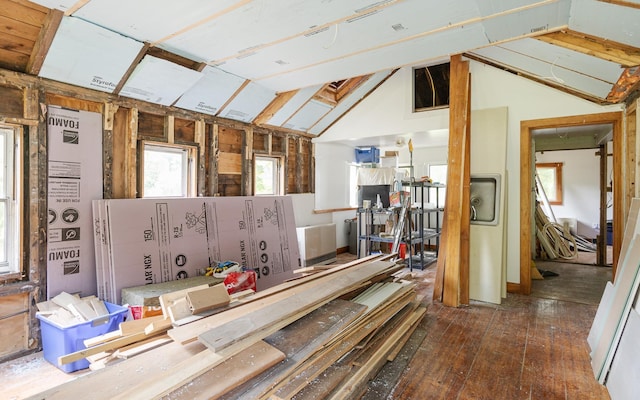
[
  {"x": 347, "y": 102},
  {"x": 561, "y": 58},
  {"x": 623, "y": 382},
  {"x": 211, "y": 92},
  {"x": 159, "y": 81},
  {"x": 308, "y": 115},
  {"x": 315, "y": 19},
  {"x": 87, "y": 55},
  {"x": 175, "y": 15},
  {"x": 608, "y": 21},
  {"x": 248, "y": 103},
  {"x": 527, "y": 21},
  {"x": 544, "y": 70},
  {"x": 298, "y": 100},
  {"x": 422, "y": 49},
  {"x": 487, "y": 279}
]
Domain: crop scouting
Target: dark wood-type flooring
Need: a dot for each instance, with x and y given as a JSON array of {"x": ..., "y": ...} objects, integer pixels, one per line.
[{"x": 528, "y": 347}]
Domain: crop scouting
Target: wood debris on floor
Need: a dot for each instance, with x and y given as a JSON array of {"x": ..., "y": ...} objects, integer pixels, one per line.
[{"x": 329, "y": 332}]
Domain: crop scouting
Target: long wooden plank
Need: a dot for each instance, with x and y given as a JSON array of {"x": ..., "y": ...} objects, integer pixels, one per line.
[
  {"x": 321, "y": 361},
  {"x": 310, "y": 296},
  {"x": 261, "y": 299},
  {"x": 299, "y": 341}
]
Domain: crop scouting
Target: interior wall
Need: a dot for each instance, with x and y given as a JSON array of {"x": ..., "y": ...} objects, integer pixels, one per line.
[
  {"x": 526, "y": 100},
  {"x": 580, "y": 188}
]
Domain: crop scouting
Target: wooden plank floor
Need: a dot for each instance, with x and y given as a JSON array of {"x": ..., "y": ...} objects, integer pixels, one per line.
[{"x": 526, "y": 348}]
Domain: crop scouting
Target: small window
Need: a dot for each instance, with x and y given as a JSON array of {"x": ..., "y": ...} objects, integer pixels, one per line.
[
  {"x": 9, "y": 201},
  {"x": 550, "y": 175},
  {"x": 168, "y": 170},
  {"x": 438, "y": 173},
  {"x": 431, "y": 87},
  {"x": 268, "y": 176}
]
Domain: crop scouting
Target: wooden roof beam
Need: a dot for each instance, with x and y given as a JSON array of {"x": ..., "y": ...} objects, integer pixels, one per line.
[
  {"x": 625, "y": 55},
  {"x": 43, "y": 43}
]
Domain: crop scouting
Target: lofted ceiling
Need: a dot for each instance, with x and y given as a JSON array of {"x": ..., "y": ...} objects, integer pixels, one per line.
[{"x": 302, "y": 64}]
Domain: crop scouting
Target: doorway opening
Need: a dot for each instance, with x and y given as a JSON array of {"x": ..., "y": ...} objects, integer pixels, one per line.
[{"x": 532, "y": 132}]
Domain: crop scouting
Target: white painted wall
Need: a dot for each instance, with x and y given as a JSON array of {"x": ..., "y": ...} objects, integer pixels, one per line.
[
  {"x": 387, "y": 112},
  {"x": 580, "y": 188}
]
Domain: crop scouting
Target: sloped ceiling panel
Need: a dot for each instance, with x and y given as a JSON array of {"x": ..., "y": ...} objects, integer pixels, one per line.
[
  {"x": 86, "y": 55},
  {"x": 391, "y": 25},
  {"x": 348, "y": 102},
  {"x": 263, "y": 20},
  {"x": 294, "y": 104},
  {"x": 528, "y": 21},
  {"x": 553, "y": 73},
  {"x": 430, "y": 48},
  {"x": 151, "y": 20},
  {"x": 211, "y": 92},
  {"x": 63, "y": 5},
  {"x": 248, "y": 103},
  {"x": 598, "y": 18},
  {"x": 159, "y": 81},
  {"x": 559, "y": 57},
  {"x": 308, "y": 115}
]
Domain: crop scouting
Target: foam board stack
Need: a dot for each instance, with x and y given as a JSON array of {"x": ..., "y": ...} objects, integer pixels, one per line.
[{"x": 143, "y": 241}]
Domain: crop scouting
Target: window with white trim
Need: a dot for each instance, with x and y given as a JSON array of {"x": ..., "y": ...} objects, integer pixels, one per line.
[
  {"x": 9, "y": 200},
  {"x": 268, "y": 176},
  {"x": 168, "y": 170}
]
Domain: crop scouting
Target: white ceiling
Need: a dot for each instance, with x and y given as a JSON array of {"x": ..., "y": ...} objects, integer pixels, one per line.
[{"x": 287, "y": 45}]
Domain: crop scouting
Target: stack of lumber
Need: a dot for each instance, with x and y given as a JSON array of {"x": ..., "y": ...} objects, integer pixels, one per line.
[
  {"x": 555, "y": 240},
  {"x": 327, "y": 333}
]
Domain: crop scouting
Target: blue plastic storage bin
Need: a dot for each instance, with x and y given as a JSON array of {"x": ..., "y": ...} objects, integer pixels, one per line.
[
  {"x": 58, "y": 341},
  {"x": 367, "y": 155}
]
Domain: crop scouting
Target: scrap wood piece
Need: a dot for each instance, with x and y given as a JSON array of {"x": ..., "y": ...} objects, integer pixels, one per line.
[
  {"x": 207, "y": 299},
  {"x": 232, "y": 373},
  {"x": 311, "y": 297},
  {"x": 265, "y": 299},
  {"x": 299, "y": 341},
  {"x": 110, "y": 345},
  {"x": 177, "y": 302},
  {"x": 131, "y": 327},
  {"x": 140, "y": 347}
]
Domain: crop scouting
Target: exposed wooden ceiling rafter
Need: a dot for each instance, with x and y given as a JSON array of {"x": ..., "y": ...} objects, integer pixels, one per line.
[
  {"x": 619, "y": 53},
  {"x": 622, "y": 3},
  {"x": 78, "y": 5},
  {"x": 132, "y": 67},
  {"x": 629, "y": 82},
  {"x": 273, "y": 107},
  {"x": 43, "y": 43}
]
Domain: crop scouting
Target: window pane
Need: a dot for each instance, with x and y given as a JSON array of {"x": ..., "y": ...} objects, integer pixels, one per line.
[
  {"x": 265, "y": 176},
  {"x": 438, "y": 173},
  {"x": 164, "y": 172},
  {"x": 548, "y": 179}
]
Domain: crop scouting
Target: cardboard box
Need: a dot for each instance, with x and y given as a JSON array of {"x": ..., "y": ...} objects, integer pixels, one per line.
[{"x": 58, "y": 340}]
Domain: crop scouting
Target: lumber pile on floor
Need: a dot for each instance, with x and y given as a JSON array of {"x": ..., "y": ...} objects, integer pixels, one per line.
[
  {"x": 329, "y": 332},
  {"x": 556, "y": 241}
]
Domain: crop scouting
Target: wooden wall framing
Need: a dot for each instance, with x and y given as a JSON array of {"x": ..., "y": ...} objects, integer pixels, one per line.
[{"x": 226, "y": 151}]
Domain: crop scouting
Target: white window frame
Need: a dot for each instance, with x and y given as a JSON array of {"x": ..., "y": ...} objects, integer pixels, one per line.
[
  {"x": 189, "y": 167},
  {"x": 10, "y": 195},
  {"x": 277, "y": 175}
]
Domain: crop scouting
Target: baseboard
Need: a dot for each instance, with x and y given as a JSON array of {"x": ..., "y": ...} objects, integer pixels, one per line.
[
  {"x": 513, "y": 287},
  {"x": 341, "y": 250}
]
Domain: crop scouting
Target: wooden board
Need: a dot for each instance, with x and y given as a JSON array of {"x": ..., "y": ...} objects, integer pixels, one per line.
[
  {"x": 299, "y": 341},
  {"x": 207, "y": 299},
  {"x": 624, "y": 377},
  {"x": 232, "y": 373}
]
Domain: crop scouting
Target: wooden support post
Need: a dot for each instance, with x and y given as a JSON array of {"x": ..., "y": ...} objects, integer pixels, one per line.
[
  {"x": 456, "y": 214},
  {"x": 299, "y": 166},
  {"x": 169, "y": 128},
  {"x": 214, "y": 151},
  {"x": 201, "y": 170},
  {"x": 110, "y": 110},
  {"x": 131, "y": 156},
  {"x": 247, "y": 162}
]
